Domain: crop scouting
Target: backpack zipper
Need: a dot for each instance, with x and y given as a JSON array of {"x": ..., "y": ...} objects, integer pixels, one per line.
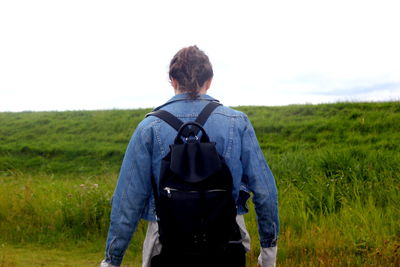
[{"x": 169, "y": 189}]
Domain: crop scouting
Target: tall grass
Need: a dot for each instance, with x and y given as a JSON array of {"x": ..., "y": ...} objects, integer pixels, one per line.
[
  {"x": 51, "y": 210},
  {"x": 336, "y": 166}
]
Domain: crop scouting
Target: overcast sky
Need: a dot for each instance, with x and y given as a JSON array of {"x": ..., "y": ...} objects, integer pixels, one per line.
[{"x": 93, "y": 54}]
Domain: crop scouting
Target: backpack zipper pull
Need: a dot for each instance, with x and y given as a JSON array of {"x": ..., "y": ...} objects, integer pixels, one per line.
[{"x": 168, "y": 191}]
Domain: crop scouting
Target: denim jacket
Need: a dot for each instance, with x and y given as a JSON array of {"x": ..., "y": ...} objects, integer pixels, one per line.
[{"x": 235, "y": 141}]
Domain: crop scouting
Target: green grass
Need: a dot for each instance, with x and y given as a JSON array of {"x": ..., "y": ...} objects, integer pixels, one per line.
[
  {"x": 32, "y": 255},
  {"x": 72, "y": 142},
  {"x": 336, "y": 166}
]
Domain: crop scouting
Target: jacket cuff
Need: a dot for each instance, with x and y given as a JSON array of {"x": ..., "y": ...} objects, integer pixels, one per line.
[
  {"x": 269, "y": 243},
  {"x": 114, "y": 260},
  {"x": 104, "y": 263}
]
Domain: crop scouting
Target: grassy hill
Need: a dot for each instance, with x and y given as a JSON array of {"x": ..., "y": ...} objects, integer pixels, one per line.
[
  {"x": 83, "y": 142},
  {"x": 90, "y": 142},
  {"x": 336, "y": 166}
]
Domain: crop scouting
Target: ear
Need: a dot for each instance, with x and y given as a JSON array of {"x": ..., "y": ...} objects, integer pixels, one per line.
[
  {"x": 207, "y": 84},
  {"x": 174, "y": 83}
]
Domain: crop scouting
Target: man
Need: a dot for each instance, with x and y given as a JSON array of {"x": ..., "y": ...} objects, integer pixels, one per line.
[{"x": 191, "y": 76}]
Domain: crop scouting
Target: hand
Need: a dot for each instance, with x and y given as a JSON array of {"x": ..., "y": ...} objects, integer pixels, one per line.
[
  {"x": 106, "y": 264},
  {"x": 267, "y": 257}
]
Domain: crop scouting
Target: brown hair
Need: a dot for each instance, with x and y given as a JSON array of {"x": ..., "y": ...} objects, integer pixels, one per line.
[{"x": 191, "y": 68}]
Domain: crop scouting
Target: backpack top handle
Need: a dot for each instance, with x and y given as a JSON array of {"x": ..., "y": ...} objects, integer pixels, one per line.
[{"x": 192, "y": 132}]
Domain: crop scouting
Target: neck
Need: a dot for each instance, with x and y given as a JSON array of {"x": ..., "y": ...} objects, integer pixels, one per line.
[{"x": 202, "y": 91}]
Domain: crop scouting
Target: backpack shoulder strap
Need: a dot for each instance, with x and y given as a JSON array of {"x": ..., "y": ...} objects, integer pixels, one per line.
[
  {"x": 205, "y": 114},
  {"x": 173, "y": 121}
]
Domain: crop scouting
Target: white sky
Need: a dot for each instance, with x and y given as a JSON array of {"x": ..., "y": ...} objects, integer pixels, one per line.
[{"x": 84, "y": 54}]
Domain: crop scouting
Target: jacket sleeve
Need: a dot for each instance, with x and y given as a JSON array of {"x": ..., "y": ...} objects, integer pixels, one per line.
[
  {"x": 131, "y": 193},
  {"x": 261, "y": 183}
]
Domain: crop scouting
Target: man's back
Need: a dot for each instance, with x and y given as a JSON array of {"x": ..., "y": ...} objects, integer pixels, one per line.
[{"x": 191, "y": 75}]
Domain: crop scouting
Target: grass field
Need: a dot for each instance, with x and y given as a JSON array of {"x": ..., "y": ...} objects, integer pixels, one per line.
[{"x": 336, "y": 166}]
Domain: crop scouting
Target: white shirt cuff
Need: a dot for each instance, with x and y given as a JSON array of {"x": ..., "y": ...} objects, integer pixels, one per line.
[
  {"x": 267, "y": 257},
  {"x": 106, "y": 264}
]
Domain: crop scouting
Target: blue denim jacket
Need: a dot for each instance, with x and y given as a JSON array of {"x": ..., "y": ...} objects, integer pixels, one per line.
[{"x": 236, "y": 142}]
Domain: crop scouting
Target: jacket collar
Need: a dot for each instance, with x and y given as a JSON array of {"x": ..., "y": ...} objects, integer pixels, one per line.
[{"x": 185, "y": 96}]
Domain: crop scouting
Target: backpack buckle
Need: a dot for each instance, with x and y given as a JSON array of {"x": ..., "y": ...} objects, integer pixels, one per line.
[{"x": 190, "y": 139}]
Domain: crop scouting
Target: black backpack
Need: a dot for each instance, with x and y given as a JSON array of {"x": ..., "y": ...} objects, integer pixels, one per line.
[{"x": 196, "y": 212}]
